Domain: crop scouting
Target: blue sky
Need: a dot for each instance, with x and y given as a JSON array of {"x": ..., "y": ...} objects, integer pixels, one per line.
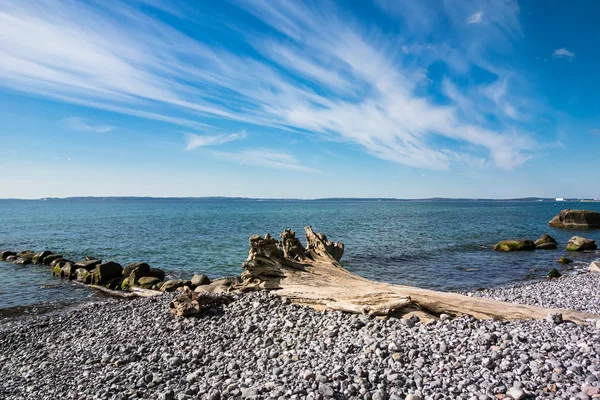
[{"x": 377, "y": 98}]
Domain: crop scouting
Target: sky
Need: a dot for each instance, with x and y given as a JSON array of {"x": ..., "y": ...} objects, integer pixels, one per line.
[{"x": 290, "y": 99}]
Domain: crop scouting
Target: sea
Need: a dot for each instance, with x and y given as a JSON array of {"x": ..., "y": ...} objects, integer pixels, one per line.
[{"x": 442, "y": 245}]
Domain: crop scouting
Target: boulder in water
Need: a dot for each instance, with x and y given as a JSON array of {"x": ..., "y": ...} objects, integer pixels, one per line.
[
  {"x": 90, "y": 265},
  {"x": 553, "y": 274},
  {"x": 594, "y": 266},
  {"x": 6, "y": 253},
  {"x": 68, "y": 270},
  {"x": 83, "y": 275},
  {"x": 579, "y": 243},
  {"x": 22, "y": 261},
  {"x": 11, "y": 258},
  {"x": 564, "y": 260},
  {"x": 576, "y": 219},
  {"x": 199, "y": 280},
  {"x": 38, "y": 258},
  {"x": 50, "y": 258},
  {"x": 515, "y": 245},
  {"x": 105, "y": 272},
  {"x": 546, "y": 242}
]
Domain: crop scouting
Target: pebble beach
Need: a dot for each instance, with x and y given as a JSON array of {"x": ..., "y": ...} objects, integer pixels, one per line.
[{"x": 263, "y": 347}]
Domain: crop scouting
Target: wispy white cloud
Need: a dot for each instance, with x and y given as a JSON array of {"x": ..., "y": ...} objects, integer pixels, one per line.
[
  {"x": 563, "y": 53},
  {"x": 80, "y": 124},
  {"x": 475, "y": 18},
  {"x": 270, "y": 158},
  {"x": 112, "y": 56},
  {"x": 194, "y": 141}
]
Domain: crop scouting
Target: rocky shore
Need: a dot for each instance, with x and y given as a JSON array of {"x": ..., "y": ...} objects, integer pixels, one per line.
[{"x": 261, "y": 346}]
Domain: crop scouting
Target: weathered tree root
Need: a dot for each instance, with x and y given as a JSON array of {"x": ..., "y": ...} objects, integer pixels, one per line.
[
  {"x": 313, "y": 276},
  {"x": 192, "y": 303}
]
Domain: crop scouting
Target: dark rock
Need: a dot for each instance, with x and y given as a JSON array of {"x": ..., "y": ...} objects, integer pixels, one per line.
[
  {"x": 157, "y": 273},
  {"x": 565, "y": 260},
  {"x": 144, "y": 269},
  {"x": 115, "y": 283},
  {"x": 546, "y": 242},
  {"x": 22, "y": 261},
  {"x": 515, "y": 245},
  {"x": 29, "y": 254},
  {"x": 38, "y": 258},
  {"x": 554, "y": 274},
  {"x": 199, "y": 280},
  {"x": 49, "y": 259},
  {"x": 105, "y": 272},
  {"x": 6, "y": 253},
  {"x": 90, "y": 265},
  {"x": 11, "y": 258},
  {"x": 576, "y": 219},
  {"x": 579, "y": 243}
]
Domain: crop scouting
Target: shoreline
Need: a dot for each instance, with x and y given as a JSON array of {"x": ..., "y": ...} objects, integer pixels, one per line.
[{"x": 261, "y": 346}]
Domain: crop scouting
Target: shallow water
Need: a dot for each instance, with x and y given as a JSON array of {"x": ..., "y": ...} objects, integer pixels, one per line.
[{"x": 439, "y": 245}]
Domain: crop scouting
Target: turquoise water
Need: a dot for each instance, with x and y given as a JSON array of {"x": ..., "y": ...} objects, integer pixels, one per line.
[{"x": 439, "y": 245}]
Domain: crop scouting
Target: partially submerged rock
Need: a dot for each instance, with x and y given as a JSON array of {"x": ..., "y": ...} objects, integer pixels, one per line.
[
  {"x": 515, "y": 245},
  {"x": 564, "y": 260},
  {"x": 38, "y": 258},
  {"x": 546, "y": 242},
  {"x": 594, "y": 266},
  {"x": 553, "y": 274},
  {"x": 90, "y": 265},
  {"x": 49, "y": 259},
  {"x": 576, "y": 219},
  {"x": 6, "y": 253},
  {"x": 22, "y": 261},
  {"x": 579, "y": 243}
]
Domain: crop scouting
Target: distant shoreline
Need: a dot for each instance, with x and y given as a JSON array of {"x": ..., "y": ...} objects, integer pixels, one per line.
[{"x": 328, "y": 199}]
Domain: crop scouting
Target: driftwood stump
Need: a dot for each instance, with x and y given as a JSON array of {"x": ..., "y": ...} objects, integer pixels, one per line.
[{"x": 313, "y": 276}]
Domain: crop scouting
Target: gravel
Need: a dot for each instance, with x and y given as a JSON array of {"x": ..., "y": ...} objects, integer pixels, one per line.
[
  {"x": 261, "y": 346},
  {"x": 579, "y": 292}
]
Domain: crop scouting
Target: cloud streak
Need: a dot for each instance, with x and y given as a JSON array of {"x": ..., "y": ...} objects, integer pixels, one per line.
[
  {"x": 194, "y": 141},
  {"x": 113, "y": 56},
  {"x": 475, "y": 18},
  {"x": 563, "y": 53},
  {"x": 79, "y": 124}
]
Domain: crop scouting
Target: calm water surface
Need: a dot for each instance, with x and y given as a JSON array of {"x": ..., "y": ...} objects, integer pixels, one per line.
[{"x": 438, "y": 245}]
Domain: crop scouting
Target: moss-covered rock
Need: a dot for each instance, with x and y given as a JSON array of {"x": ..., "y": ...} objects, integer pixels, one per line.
[
  {"x": 39, "y": 257},
  {"x": 579, "y": 243},
  {"x": 148, "y": 282},
  {"x": 83, "y": 275},
  {"x": 68, "y": 271},
  {"x": 565, "y": 260},
  {"x": 515, "y": 245},
  {"x": 22, "y": 261},
  {"x": 126, "y": 284},
  {"x": 546, "y": 242},
  {"x": 553, "y": 274},
  {"x": 56, "y": 271}
]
